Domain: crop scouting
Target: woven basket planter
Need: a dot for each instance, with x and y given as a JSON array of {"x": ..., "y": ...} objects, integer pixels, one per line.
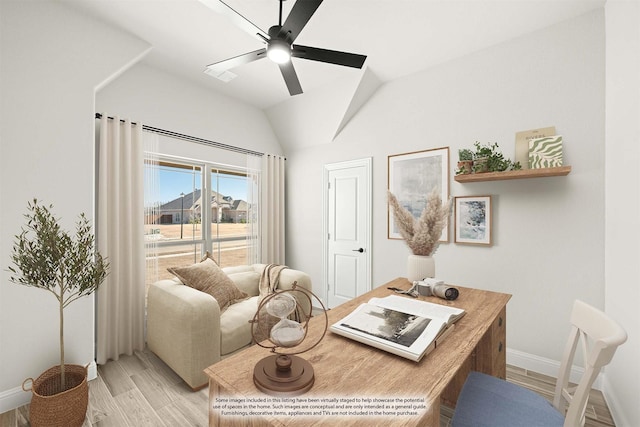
[{"x": 52, "y": 407}]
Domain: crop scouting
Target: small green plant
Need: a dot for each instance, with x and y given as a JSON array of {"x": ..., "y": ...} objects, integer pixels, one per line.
[
  {"x": 465, "y": 154},
  {"x": 49, "y": 258},
  {"x": 492, "y": 160},
  {"x": 465, "y": 161},
  {"x": 462, "y": 170},
  {"x": 486, "y": 150}
]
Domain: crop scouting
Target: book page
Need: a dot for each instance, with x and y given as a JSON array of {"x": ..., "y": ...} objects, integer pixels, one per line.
[
  {"x": 419, "y": 307},
  {"x": 398, "y": 332},
  {"x": 402, "y": 326}
]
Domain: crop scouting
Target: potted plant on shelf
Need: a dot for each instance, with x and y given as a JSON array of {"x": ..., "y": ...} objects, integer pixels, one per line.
[
  {"x": 47, "y": 257},
  {"x": 487, "y": 158},
  {"x": 465, "y": 161},
  {"x": 422, "y": 235},
  {"x": 481, "y": 156}
]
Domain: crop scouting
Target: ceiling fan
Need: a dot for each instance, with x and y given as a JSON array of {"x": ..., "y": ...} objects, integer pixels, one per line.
[{"x": 279, "y": 40}]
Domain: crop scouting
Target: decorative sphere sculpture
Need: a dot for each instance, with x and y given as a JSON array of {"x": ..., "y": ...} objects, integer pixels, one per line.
[{"x": 283, "y": 373}]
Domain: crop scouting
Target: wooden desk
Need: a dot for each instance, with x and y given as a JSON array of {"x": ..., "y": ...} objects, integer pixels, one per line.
[{"x": 344, "y": 367}]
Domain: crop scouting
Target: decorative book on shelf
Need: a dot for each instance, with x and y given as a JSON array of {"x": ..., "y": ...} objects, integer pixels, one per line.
[
  {"x": 545, "y": 152},
  {"x": 406, "y": 327},
  {"x": 522, "y": 143}
]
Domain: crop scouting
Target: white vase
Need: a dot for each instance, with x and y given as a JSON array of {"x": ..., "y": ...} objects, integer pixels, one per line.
[{"x": 419, "y": 267}]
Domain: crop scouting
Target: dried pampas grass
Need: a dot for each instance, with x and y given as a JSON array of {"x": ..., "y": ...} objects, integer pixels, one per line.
[{"x": 422, "y": 235}]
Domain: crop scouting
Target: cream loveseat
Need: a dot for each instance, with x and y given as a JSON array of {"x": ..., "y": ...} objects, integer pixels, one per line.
[{"x": 187, "y": 331}]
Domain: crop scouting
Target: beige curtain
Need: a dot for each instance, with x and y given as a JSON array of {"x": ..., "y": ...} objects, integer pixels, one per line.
[
  {"x": 254, "y": 165},
  {"x": 272, "y": 212},
  {"x": 120, "y": 233},
  {"x": 151, "y": 206}
]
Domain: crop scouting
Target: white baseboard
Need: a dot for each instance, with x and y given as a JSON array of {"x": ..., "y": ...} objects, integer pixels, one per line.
[
  {"x": 13, "y": 398},
  {"x": 546, "y": 366},
  {"x": 92, "y": 370},
  {"x": 16, "y": 397},
  {"x": 615, "y": 407}
]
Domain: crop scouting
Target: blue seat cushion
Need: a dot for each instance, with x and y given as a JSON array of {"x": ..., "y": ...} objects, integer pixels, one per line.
[{"x": 492, "y": 402}]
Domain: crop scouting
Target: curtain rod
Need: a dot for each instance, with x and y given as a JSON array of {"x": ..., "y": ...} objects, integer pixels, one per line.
[{"x": 191, "y": 138}]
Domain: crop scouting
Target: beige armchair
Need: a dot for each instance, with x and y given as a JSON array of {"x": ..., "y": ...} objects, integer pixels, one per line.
[{"x": 187, "y": 331}]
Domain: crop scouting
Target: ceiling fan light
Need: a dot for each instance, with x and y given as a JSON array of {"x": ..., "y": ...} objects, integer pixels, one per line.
[{"x": 279, "y": 51}]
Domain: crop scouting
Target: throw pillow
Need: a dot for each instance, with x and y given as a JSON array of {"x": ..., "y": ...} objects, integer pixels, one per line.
[
  {"x": 208, "y": 255},
  {"x": 207, "y": 277}
]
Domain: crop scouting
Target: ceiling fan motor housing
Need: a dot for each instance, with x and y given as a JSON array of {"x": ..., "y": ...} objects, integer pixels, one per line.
[
  {"x": 275, "y": 33},
  {"x": 280, "y": 47}
]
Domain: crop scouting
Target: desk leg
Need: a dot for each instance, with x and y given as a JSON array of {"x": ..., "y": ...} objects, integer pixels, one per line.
[
  {"x": 217, "y": 420},
  {"x": 432, "y": 417},
  {"x": 214, "y": 391},
  {"x": 488, "y": 357},
  {"x": 490, "y": 354}
]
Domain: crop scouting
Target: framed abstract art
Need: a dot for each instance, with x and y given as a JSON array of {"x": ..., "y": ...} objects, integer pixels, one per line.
[
  {"x": 412, "y": 177},
  {"x": 473, "y": 220}
]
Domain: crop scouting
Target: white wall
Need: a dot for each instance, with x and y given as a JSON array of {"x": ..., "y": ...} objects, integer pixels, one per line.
[
  {"x": 548, "y": 233},
  {"x": 162, "y": 100},
  {"x": 622, "y": 207},
  {"x": 52, "y": 61},
  {"x": 49, "y": 80}
]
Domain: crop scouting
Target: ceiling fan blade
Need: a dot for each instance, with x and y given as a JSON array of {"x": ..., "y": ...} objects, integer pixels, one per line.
[
  {"x": 218, "y": 68},
  {"x": 298, "y": 17},
  {"x": 290, "y": 78},
  {"x": 237, "y": 19},
  {"x": 331, "y": 56}
]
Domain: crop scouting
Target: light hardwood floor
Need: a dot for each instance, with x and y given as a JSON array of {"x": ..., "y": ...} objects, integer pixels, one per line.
[{"x": 140, "y": 390}]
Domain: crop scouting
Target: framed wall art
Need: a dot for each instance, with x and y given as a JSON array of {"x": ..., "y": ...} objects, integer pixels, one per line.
[
  {"x": 412, "y": 177},
  {"x": 473, "y": 220}
]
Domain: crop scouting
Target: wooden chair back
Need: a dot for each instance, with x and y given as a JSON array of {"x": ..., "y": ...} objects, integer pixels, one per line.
[{"x": 600, "y": 336}]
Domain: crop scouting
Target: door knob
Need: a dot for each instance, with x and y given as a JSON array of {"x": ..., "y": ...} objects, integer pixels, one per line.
[{"x": 358, "y": 250}]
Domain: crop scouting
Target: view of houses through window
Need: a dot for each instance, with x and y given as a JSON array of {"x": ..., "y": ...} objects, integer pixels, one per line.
[{"x": 181, "y": 223}]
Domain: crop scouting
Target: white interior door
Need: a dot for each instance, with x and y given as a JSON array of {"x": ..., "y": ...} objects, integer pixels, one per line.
[{"x": 348, "y": 230}]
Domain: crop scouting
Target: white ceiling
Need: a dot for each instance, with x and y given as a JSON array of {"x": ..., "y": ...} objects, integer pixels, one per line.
[{"x": 399, "y": 37}]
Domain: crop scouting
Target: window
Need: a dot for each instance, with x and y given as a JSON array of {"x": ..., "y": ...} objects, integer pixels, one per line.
[
  {"x": 191, "y": 208},
  {"x": 229, "y": 209}
]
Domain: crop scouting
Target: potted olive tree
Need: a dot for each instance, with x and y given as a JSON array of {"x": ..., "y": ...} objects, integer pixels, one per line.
[{"x": 69, "y": 267}]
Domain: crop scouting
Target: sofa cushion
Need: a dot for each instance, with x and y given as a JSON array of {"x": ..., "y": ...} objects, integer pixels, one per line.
[
  {"x": 238, "y": 269},
  {"x": 207, "y": 277},
  {"x": 235, "y": 329},
  {"x": 246, "y": 281}
]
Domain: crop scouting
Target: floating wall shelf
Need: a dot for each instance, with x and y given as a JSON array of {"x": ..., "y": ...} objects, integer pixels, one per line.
[{"x": 519, "y": 174}]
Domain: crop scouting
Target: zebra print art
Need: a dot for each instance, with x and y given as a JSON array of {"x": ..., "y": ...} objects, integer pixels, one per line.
[{"x": 545, "y": 152}]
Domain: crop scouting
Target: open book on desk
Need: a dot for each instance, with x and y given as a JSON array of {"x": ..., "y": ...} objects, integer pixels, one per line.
[{"x": 406, "y": 327}]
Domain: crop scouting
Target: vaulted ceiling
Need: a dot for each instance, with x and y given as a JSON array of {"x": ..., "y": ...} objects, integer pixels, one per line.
[{"x": 399, "y": 37}]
